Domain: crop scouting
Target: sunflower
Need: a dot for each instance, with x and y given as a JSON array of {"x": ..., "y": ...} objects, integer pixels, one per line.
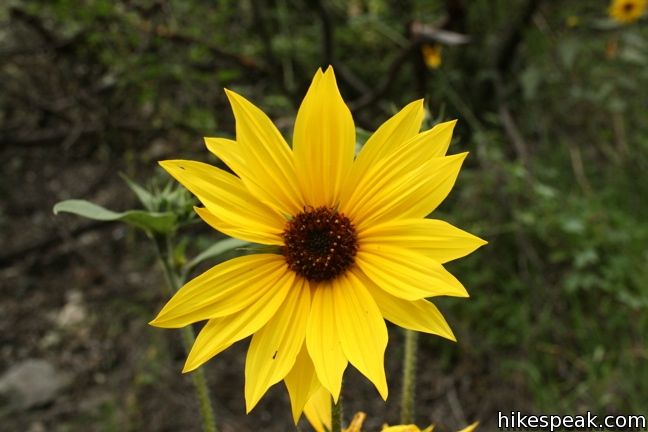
[
  {"x": 627, "y": 11},
  {"x": 347, "y": 243}
]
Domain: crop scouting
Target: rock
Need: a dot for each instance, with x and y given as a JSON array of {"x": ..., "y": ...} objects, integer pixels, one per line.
[
  {"x": 73, "y": 312},
  {"x": 32, "y": 383}
]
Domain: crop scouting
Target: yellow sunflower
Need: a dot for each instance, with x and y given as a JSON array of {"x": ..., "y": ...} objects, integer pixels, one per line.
[
  {"x": 627, "y": 11},
  {"x": 349, "y": 243}
]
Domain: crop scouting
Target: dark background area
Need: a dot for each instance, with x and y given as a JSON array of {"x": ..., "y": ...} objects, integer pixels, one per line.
[{"x": 552, "y": 103}]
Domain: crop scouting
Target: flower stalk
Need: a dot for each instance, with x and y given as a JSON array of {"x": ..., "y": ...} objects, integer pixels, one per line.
[
  {"x": 174, "y": 282},
  {"x": 409, "y": 377}
]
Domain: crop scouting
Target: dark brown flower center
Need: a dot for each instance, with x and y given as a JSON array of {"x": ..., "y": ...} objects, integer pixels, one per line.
[
  {"x": 319, "y": 244},
  {"x": 628, "y": 7}
]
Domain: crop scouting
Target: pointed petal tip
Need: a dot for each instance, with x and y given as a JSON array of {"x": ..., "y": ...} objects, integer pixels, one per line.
[
  {"x": 449, "y": 335},
  {"x": 171, "y": 164},
  {"x": 191, "y": 364},
  {"x": 335, "y": 397},
  {"x": 157, "y": 322},
  {"x": 249, "y": 406},
  {"x": 233, "y": 97},
  {"x": 160, "y": 323},
  {"x": 230, "y": 94},
  {"x": 188, "y": 368},
  {"x": 384, "y": 393}
]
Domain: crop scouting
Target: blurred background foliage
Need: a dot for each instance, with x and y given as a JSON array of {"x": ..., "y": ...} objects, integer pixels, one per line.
[{"x": 551, "y": 99}]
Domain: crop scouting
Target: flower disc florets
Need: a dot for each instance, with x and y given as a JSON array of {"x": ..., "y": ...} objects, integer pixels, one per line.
[{"x": 320, "y": 244}]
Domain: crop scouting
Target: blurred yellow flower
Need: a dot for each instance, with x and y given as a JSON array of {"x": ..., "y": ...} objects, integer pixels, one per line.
[
  {"x": 572, "y": 21},
  {"x": 414, "y": 428},
  {"x": 318, "y": 413},
  {"x": 406, "y": 428},
  {"x": 627, "y": 11},
  {"x": 432, "y": 55},
  {"x": 348, "y": 244}
]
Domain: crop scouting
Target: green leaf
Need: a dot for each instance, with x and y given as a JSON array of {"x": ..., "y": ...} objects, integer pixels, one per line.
[
  {"x": 148, "y": 221},
  {"x": 145, "y": 197},
  {"x": 218, "y": 248}
]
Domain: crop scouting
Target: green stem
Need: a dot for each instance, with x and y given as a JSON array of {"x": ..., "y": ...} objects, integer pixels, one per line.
[
  {"x": 174, "y": 281},
  {"x": 409, "y": 377},
  {"x": 336, "y": 414}
]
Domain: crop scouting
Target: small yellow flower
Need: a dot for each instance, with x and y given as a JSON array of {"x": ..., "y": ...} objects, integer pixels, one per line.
[
  {"x": 432, "y": 55},
  {"x": 627, "y": 11},
  {"x": 349, "y": 243}
]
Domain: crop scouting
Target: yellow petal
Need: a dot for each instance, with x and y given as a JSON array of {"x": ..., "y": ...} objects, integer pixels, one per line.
[
  {"x": 301, "y": 382},
  {"x": 426, "y": 197},
  {"x": 434, "y": 238},
  {"x": 361, "y": 329},
  {"x": 323, "y": 142},
  {"x": 470, "y": 428},
  {"x": 433, "y": 142},
  {"x": 318, "y": 410},
  {"x": 226, "y": 197},
  {"x": 323, "y": 339},
  {"x": 407, "y": 274},
  {"x": 402, "y": 193},
  {"x": 269, "y": 171},
  {"x": 219, "y": 333},
  {"x": 274, "y": 348},
  {"x": 389, "y": 137},
  {"x": 391, "y": 167},
  {"x": 222, "y": 290},
  {"x": 237, "y": 231},
  {"x": 419, "y": 315},
  {"x": 228, "y": 151}
]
